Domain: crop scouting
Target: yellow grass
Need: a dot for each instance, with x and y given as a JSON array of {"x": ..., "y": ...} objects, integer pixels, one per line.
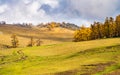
[
  {"x": 57, "y": 35},
  {"x": 62, "y": 57}
]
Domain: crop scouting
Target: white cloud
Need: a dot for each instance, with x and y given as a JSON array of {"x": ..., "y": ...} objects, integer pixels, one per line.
[
  {"x": 95, "y": 8},
  {"x": 3, "y": 8},
  {"x": 33, "y": 8},
  {"x": 27, "y": 1},
  {"x": 52, "y": 3},
  {"x": 27, "y": 11},
  {"x": 80, "y": 21},
  {"x": 30, "y": 11}
]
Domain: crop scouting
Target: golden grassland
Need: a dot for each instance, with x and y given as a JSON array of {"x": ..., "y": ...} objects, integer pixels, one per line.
[{"x": 57, "y": 35}]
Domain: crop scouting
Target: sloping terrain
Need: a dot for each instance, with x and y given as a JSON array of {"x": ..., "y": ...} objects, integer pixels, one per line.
[
  {"x": 56, "y": 35},
  {"x": 98, "y": 57}
]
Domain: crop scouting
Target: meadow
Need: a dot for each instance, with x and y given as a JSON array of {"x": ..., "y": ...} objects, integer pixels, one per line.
[
  {"x": 97, "y": 57},
  {"x": 57, "y": 35},
  {"x": 58, "y": 54}
]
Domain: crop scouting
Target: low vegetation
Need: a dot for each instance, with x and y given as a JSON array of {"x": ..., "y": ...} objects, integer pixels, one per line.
[{"x": 96, "y": 57}]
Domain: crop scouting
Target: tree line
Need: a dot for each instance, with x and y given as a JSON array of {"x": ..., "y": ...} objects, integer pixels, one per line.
[{"x": 109, "y": 29}]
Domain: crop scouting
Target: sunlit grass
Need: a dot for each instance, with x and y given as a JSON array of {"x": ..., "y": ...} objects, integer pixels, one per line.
[
  {"x": 57, "y": 35},
  {"x": 51, "y": 59}
]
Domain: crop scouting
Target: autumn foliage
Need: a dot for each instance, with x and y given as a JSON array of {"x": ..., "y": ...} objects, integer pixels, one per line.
[{"x": 109, "y": 29}]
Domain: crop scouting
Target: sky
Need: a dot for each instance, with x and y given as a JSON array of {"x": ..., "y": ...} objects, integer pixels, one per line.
[{"x": 80, "y": 12}]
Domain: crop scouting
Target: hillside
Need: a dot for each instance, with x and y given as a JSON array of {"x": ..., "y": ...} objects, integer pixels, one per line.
[
  {"x": 59, "y": 37},
  {"x": 56, "y": 35},
  {"x": 98, "y": 57}
]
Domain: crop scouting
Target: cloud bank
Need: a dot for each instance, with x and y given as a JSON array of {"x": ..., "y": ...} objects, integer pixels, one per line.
[{"x": 74, "y": 11}]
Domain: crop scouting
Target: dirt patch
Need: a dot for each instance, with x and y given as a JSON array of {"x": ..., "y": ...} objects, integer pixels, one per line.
[
  {"x": 94, "y": 68},
  {"x": 86, "y": 69},
  {"x": 117, "y": 72},
  {"x": 70, "y": 72}
]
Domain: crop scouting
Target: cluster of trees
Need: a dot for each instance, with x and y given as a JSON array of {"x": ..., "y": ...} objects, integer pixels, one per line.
[
  {"x": 33, "y": 43},
  {"x": 52, "y": 25},
  {"x": 27, "y": 25},
  {"x": 15, "y": 42},
  {"x": 109, "y": 29}
]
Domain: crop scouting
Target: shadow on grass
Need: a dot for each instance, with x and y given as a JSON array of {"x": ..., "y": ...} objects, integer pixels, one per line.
[{"x": 94, "y": 51}]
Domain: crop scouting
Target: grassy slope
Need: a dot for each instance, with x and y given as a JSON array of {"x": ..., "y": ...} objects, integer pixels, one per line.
[
  {"x": 57, "y": 35},
  {"x": 96, "y": 57}
]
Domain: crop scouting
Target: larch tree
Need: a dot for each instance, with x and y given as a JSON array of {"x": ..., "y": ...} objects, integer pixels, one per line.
[
  {"x": 83, "y": 34},
  {"x": 118, "y": 25},
  {"x": 14, "y": 41},
  {"x": 110, "y": 28},
  {"x": 107, "y": 28},
  {"x": 38, "y": 42},
  {"x": 31, "y": 43}
]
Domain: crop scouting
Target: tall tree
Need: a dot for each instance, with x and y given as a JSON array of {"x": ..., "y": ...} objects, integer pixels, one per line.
[
  {"x": 112, "y": 27},
  {"x": 118, "y": 25},
  {"x": 107, "y": 28},
  {"x": 31, "y": 43},
  {"x": 99, "y": 30},
  {"x": 92, "y": 27},
  {"x": 14, "y": 41}
]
